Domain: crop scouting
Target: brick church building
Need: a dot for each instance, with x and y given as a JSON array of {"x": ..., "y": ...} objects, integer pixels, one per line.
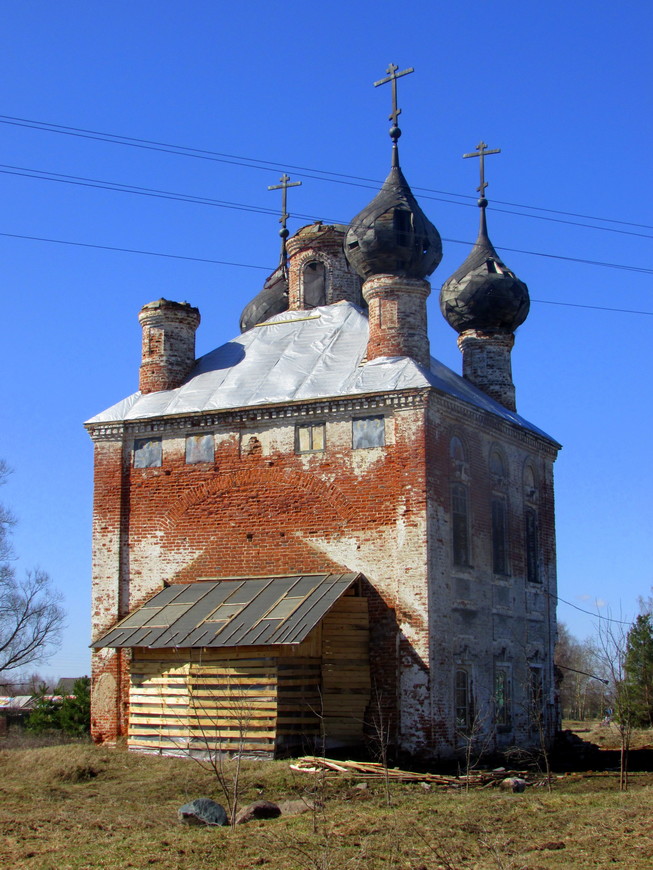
[{"x": 318, "y": 531}]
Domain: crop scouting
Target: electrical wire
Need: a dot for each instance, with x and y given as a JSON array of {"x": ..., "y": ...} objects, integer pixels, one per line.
[
  {"x": 588, "y": 612},
  {"x": 584, "y": 673},
  {"x": 253, "y": 266},
  {"x": 135, "y": 251},
  {"x": 592, "y": 307},
  {"x": 316, "y": 174},
  {"x": 119, "y": 187}
]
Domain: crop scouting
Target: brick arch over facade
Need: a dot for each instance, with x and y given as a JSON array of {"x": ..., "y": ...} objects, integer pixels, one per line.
[
  {"x": 257, "y": 521},
  {"x": 263, "y": 477}
]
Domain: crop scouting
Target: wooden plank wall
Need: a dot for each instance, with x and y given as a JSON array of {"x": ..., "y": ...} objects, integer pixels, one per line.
[
  {"x": 222, "y": 699},
  {"x": 346, "y": 687},
  {"x": 256, "y": 699}
]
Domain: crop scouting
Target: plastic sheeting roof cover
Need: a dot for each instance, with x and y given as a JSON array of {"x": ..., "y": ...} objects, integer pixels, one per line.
[
  {"x": 297, "y": 356},
  {"x": 244, "y": 611}
]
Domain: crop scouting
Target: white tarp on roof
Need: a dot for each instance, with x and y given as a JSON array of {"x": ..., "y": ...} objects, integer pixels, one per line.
[{"x": 297, "y": 356}]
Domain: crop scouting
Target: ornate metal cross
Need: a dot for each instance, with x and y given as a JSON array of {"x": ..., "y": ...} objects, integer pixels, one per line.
[
  {"x": 481, "y": 151},
  {"x": 393, "y": 75},
  {"x": 283, "y": 187},
  {"x": 283, "y": 232}
]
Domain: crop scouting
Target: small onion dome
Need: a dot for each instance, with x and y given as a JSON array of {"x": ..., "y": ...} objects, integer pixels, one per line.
[
  {"x": 273, "y": 299},
  {"x": 483, "y": 293},
  {"x": 392, "y": 235}
]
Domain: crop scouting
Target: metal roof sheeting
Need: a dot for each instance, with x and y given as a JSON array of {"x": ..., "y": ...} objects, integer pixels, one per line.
[
  {"x": 299, "y": 356},
  {"x": 228, "y": 613}
]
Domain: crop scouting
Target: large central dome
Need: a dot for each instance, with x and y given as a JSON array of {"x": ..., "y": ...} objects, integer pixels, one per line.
[{"x": 392, "y": 235}]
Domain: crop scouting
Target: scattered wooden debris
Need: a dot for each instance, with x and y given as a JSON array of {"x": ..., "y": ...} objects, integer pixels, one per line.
[{"x": 371, "y": 770}]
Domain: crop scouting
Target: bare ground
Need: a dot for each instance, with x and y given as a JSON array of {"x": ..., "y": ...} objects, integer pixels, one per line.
[{"x": 81, "y": 806}]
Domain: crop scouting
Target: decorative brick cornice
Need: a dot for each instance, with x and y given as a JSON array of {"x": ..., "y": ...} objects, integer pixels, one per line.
[
  {"x": 487, "y": 421},
  {"x": 105, "y": 431},
  {"x": 260, "y": 413}
]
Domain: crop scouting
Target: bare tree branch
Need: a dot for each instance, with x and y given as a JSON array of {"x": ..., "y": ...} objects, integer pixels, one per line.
[{"x": 31, "y": 616}]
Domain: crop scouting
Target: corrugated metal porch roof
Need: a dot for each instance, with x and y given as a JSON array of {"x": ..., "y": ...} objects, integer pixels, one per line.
[{"x": 228, "y": 613}]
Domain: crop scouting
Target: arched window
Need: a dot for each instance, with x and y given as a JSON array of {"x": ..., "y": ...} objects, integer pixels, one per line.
[
  {"x": 314, "y": 284},
  {"x": 462, "y": 701},
  {"x": 531, "y": 545},
  {"x": 456, "y": 449},
  {"x": 497, "y": 467},
  {"x": 499, "y": 513},
  {"x": 499, "y": 545},
  {"x": 530, "y": 484},
  {"x": 531, "y": 526},
  {"x": 502, "y": 696},
  {"x": 459, "y": 524}
]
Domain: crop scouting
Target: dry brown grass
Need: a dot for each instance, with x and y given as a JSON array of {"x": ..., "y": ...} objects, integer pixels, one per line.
[
  {"x": 84, "y": 807},
  {"x": 606, "y": 736}
]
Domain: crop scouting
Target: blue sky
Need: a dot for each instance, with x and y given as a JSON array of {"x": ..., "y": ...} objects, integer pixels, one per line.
[{"x": 562, "y": 88}]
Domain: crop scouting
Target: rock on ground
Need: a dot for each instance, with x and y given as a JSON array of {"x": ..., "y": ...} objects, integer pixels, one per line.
[
  {"x": 258, "y": 810},
  {"x": 202, "y": 811}
]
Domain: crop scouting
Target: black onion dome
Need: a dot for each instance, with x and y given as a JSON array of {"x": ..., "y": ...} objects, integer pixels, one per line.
[
  {"x": 272, "y": 299},
  {"x": 483, "y": 293},
  {"x": 392, "y": 235}
]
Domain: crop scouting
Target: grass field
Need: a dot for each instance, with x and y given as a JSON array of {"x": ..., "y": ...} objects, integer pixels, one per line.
[{"x": 81, "y": 806}]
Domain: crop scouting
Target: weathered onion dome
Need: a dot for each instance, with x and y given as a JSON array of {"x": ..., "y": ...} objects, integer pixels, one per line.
[
  {"x": 483, "y": 293},
  {"x": 272, "y": 299},
  {"x": 392, "y": 235}
]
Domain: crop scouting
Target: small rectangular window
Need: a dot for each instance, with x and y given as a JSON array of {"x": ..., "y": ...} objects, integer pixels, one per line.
[
  {"x": 199, "y": 448},
  {"x": 310, "y": 437},
  {"x": 368, "y": 432},
  {"x": 148, "y": 452}
]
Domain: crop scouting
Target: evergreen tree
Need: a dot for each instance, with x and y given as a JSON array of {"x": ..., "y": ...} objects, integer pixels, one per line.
[
  {"x": 45, "y": 715},
  {"x": 638, "y": 668},
  {"x": 75, "y": 711}
]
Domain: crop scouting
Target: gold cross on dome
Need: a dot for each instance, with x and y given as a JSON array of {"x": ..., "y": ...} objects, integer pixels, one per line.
[
  {"x": 283, "y": 187},
  {"x": 393, "y": 75},
  {"x": 481, "y": 151}
]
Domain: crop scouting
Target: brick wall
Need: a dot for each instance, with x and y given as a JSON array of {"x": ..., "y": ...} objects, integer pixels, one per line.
[{"x": 260, "y": 507}]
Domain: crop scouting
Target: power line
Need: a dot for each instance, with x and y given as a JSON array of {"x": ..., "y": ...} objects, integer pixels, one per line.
[
  {"x": 588, "y": 612},
  {"x": 317, "y": 174},
  {"x": 584, "y": 673},
  {"x": 593, "y": 307},
  {"x": 251, "y": 266},
  {"x": 119, "y": 187},
  {"x": 134, "y": 251}
]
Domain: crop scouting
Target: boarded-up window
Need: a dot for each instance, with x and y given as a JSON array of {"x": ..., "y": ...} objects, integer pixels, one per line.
[
  {"x": 499, "y": 555},
  {"x": 456, "y": 449},
  {"x": 459, "y": 525},
  {"x": 497, "y": 468},
  {"x": 147, "y": 452},
  {"x": 531, "y": 545},
  {"x": 368, "y": 432},
  {"x": 199, "y": 448},
  {"x": 314, "y": 284},
  {"x": 310, "y": 437}
]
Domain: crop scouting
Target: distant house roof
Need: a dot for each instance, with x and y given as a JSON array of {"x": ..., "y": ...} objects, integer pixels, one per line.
[
  {"x": 235, "y": 612},
  {"x": 299, "y": 356},
  {"x": 15, "y": 702},
  {"x": 66, "y": 685}
]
